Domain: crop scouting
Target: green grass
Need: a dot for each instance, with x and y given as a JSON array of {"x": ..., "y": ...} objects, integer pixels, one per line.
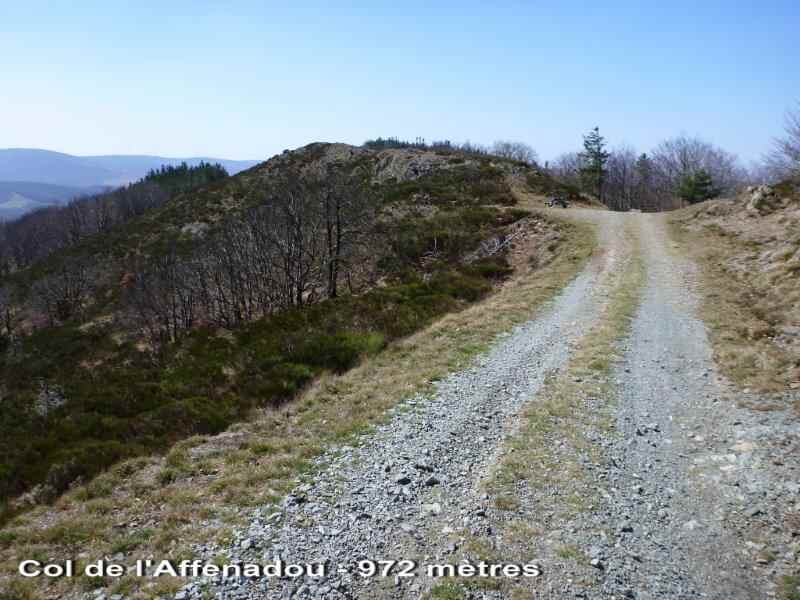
[
  {"x": 790, "y": 587},
  {"x": 447, "y": 591}
]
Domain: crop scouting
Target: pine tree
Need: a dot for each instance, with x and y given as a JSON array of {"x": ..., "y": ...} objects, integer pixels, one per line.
[
  {"x": 594, "y": 158},
  {"x": 644, "y": 182},
  {"x": 697, "y": 187}
]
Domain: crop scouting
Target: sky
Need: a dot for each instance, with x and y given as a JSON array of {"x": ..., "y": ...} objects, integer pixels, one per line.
[{"x": 250, "y": 79}]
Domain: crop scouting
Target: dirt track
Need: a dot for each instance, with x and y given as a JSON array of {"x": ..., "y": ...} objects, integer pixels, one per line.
[{"x": 687, "y": 484}]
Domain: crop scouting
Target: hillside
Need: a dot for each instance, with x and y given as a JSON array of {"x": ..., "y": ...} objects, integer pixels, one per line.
[
  {"x": 20, "y": 197},
  {"x": 348, "y": 352},
  {"x": 749, "y": 249},
  {"x": 237, "y": 295},
  {"x": 58, "y": 168},
  {"x": 31, "y": 178}
]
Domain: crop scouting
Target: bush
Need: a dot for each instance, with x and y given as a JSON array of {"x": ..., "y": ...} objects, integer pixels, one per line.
[
  {"x": 489, "y": 269},
  {"x": 339, "y": 351}
]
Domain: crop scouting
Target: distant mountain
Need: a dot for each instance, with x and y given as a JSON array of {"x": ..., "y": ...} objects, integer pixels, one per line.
[
  {"x": 44, "y": 166},
  {"x": 20, "y": 197},
  {"x": 127, "y": 168},
  {"x": 60, "y": 176}
]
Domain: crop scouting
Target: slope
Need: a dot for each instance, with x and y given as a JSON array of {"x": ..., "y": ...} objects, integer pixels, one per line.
[{"x": 116, "y": 373}]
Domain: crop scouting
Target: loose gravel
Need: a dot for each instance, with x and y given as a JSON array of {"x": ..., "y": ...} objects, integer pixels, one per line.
[
  {"x": 390, "y": 496},
  {"x": 698, "y": 496}
]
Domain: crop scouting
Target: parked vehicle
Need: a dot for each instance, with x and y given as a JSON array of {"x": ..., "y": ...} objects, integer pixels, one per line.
[{"x": 557, "y": 200}]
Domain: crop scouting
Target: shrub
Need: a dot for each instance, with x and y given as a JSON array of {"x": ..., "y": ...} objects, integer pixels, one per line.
[
  {"x": 7, "y": 538},
  {"x": 339, "y": 351}
]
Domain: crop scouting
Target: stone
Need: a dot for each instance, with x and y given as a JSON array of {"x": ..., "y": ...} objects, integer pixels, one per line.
[
  {"x": 691, "y": 525},
  {"x": 754, "y": 511},
  {"x": 433, "y": 508}
]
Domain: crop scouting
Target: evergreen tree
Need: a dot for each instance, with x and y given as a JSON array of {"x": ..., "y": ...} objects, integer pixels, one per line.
[
  {"x": 697, "y": 187},
  {"x": 594, "y": 159},
  {"x": 644, "y": 181}
]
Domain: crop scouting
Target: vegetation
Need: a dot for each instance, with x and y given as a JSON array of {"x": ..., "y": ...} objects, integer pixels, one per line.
[
  {"x": 749, "y": 285},
  {"x": 516, "y": 151},
  {"x": 784, "y": 161},
  {"x": 697, "y": 187},
  {"x": 594, "y": 159},
  {"x": 625, "y": 179},
  {"x": 204, "y": 330},
  {"x": 182, "y": 178},
  {"x": 257, "y": 461},
  {"x": 38, "y": 234}
]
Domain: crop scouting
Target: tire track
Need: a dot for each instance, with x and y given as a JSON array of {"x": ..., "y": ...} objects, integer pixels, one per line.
[{"x": 416, "y": 476}]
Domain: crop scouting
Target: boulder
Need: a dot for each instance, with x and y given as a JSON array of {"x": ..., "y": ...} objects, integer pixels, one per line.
[{"x": 761, "y": 199}]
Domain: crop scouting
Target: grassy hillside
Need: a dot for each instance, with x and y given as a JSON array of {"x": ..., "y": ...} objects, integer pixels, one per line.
[
  {"x": 93, "y": 387},
  {"x": 749, "y": 251}
]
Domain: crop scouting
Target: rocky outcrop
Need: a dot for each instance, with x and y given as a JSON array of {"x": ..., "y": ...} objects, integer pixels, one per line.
[
  {"x": 49, "y": 398},
  {"x": 761, "y": 199}
]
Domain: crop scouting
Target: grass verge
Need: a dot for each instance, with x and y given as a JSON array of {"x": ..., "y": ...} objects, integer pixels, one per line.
[
  {"x": 202, "y": 488},
  {"x": 742, "y": 310}
]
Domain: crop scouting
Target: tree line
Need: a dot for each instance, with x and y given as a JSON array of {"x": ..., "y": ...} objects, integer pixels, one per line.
[
  {"x": 512, "y": 150},
  {"x": 681, "y": 170},
  {"x": 43, "y": 231},
  {"x": 678, "y": 171},
  {"x": 306, "y": 238},
  {"x": 298, "y": 246}
]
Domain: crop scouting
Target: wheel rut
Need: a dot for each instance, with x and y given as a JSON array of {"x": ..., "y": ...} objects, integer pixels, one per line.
[{"x": 390, "y": 496}]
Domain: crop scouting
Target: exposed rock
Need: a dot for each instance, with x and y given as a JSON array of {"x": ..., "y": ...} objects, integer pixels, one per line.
[
  {"x": 761, "y": 199},
  {"x": 49, "y": 398}
]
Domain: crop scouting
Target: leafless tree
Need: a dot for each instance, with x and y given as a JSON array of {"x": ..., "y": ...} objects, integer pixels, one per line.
[
  {"x": 567, "y": 167},
  {"x": 348, "y": 207},
  {"x": 163, "y": 296},
  {"x": 63, "y": 292},
  {"x": 515, "y": 151},
  {"x": 8, "y": 311},
  {"x": 784, "y": 160},
  {"x": 621, "y": 179},
  {"x": 681, "y": 156}
]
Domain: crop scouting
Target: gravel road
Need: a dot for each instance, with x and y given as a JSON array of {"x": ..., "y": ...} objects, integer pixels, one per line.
[
  {"x": 692, "y": 485},
  {"x": 689, "y": 483}
]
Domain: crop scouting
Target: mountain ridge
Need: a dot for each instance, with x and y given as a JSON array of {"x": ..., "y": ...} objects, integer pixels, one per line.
[{"x": 86, "y": 174}]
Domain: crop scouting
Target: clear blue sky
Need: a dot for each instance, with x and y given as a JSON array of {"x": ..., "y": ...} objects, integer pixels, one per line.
[{"x": 248, "y": 79}]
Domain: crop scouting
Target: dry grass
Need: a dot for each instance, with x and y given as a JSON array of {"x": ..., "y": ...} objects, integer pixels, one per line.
[
  {"x": 203, "y": 487},
  {"x": 750, "y": 289}
]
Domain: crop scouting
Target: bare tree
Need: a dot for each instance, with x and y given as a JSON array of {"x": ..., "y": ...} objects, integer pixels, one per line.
[
  {"x": 567, "y": 167},
  {"x": 163, "y": 296},
  {"x": 515, "y": 151},
  {"x": 63, "y": 292},
  {"x": 8, "y": 311},
  {"x": 784, "y": 160},
  {"x": 348, "y": 207},
  {"x": 682, "y": 156},
  {"x": 621, "y": 181}
]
